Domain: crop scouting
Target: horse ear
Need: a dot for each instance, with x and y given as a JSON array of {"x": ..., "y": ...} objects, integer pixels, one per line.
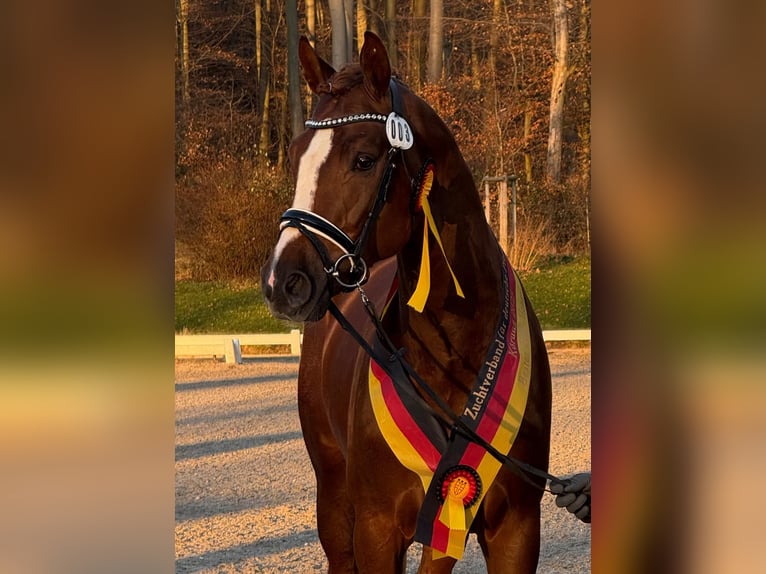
[
  {"x": 375, "y": 66},
  {"x": 315, "y": 69}
]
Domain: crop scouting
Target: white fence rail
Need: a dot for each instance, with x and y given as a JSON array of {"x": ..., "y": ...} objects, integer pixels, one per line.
[
  {"x": 567, "y": 335},
  {"x": 230, "y": 346}
]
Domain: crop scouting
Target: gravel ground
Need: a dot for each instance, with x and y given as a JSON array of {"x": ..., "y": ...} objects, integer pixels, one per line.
[{"x": 245, "y": 488}]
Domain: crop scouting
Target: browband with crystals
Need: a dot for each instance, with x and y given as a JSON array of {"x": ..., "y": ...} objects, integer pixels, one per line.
[
  {"x": 397, "y": 129},
  {"x": 331, "y": 122}
]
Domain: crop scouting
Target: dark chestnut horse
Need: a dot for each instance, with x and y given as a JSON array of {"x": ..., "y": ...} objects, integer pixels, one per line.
[{"x": 367, "y": 501}]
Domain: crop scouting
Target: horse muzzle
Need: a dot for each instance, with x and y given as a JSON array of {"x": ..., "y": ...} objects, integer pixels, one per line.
[{"x": 295, "y": 293}]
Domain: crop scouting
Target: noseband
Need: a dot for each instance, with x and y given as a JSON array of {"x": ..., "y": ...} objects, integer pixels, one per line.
[{"x": 350, "y": 269}]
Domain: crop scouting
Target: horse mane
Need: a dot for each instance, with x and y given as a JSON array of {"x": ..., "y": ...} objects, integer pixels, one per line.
[{"x": 342, "y": 81}]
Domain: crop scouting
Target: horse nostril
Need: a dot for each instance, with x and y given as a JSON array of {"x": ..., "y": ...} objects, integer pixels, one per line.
[{"x": 297, "y": 288}]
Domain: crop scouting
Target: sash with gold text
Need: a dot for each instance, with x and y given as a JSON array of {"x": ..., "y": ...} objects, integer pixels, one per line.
[{"x": 464, "y": 471}]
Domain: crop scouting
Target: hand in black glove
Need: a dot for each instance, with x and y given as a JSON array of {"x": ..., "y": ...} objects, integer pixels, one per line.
[{"x": 575, "y": 495}]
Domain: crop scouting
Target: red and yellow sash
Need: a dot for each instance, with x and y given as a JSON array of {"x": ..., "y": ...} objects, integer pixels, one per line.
[{"x": 495, "y": 408}]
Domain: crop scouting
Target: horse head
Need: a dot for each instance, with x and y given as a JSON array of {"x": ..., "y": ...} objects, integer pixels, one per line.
[{"x": 352, "y": 205}]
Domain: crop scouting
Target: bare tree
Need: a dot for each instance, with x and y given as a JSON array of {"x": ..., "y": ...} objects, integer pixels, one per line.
[
  {"x": 350, "y": 15},
  {"x": 436, "y": 43},
  {"x": 311, "y": 20},
  {"x": 293, "y": 72},
  {"x": 311, "y": 24},
  {"x": 560, "y": 72},
  {"x": 361, "y": 22},
  {"x": 373, "y": 19},
  {"x": 264, "y": 47},
  {"x": 258, "y": 34},
  {"x": 418, "y": 47},
  {"x": 184, "y": 21},
  {"x": 493, "y": 56},
  {"x": 518, "y": 95},
  {"x": 340, "y": 34},
  {"x": 527, "y": 142},
  {"x": 391, "y": 32}
]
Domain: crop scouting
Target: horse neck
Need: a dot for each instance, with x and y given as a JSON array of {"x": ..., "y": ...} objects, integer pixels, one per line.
[{"x": 451, "y": 332}]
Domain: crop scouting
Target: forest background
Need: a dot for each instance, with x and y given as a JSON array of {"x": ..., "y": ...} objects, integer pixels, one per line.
[{"x": 511, "y": 78}]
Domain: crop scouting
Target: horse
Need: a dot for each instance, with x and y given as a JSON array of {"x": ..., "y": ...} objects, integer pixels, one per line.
[{"x": 355, "y": 221}]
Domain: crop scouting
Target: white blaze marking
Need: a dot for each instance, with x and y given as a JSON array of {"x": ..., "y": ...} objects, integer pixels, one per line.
[
  {"x": 308, "y": 168},
  {"x": 305, "y": 187}
]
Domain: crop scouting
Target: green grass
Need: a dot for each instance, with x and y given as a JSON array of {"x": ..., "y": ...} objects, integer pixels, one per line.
[
  {"x": 224, "y": 307},
  {"x": 559, "y": 290}
]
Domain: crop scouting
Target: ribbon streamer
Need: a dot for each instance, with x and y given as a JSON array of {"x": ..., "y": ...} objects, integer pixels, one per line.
[
  {"x": 453, "y": 514},
  {"x": 419, "y": 297}
]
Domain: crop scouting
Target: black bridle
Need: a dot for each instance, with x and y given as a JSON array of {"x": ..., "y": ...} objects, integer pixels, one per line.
[
  {"x": 350, "y": 269},
  {"x": 313, "y": 226}
]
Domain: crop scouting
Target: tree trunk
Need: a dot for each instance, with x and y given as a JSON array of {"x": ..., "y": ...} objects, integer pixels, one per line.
[
  {"x": 293, "y": 71},
  {"x": 311, "y": 21},
  {"x": 475, "y": 68},
  {"x": 419, "y": 56},
  {"x": 361, "y": 23},
  {"x": 282, "y": 99},
  {"x": 339, "y": 33},
  {"x": 321, "y": 16},
  {"x": 495, "y": 91},
  {"x": 185, "y": 53},
  {"x": 264, "y": 81},
  {"x": 435, "y": 43},
  {"x": 264, "y": 142},
  {"x": 584, "y": 131},
  {"x": 391, "y": 32},
  {"x": 527, "y": 142},
  {"x": 258, "y": 31},
  {"x": 496, "y": 5},
  {"x": 558, "y": 84},
  {"x": 373, "y": 19},
  {"x": 349, "y": 12}
]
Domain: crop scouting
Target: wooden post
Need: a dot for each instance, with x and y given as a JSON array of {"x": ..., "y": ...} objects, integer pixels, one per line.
[
  {"x": 295, "y": 342},
  {"x": 237, "y": 351},
  {"x": 503, "y": 214},
  {"x": 228, "y": 351}
]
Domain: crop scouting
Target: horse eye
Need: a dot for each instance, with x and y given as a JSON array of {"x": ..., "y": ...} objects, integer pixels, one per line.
[{"x": 364, "y": 163}]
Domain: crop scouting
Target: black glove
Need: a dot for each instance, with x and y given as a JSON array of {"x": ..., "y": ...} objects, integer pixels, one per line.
[{"x": 574, "y": 495}]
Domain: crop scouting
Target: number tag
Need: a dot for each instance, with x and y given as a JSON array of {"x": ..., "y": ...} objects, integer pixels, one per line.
[{"x": 398, "y": 132}]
